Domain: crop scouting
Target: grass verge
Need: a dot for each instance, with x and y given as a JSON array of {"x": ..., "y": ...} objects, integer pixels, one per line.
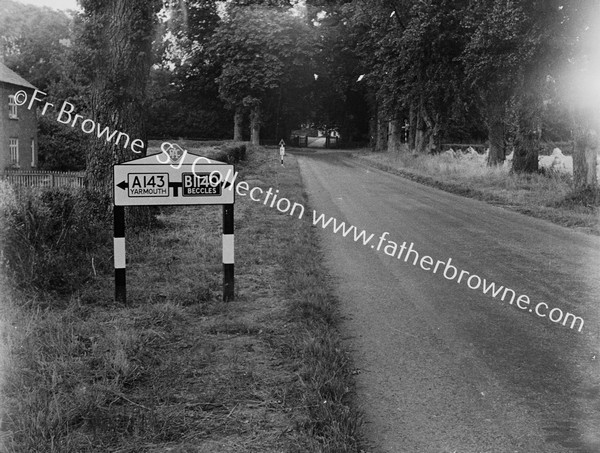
[
  {"x": 547, "y": 196},
  {"x": 193, "y": 146},
  {"x": 177, "y": 369}
]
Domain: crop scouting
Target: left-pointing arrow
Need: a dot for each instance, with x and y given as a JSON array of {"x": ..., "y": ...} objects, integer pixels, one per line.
[{"x": 123, "y": 185}]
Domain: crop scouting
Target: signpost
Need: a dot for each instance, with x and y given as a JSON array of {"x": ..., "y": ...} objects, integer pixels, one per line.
[
  {"x": 281, "y": 150},
  {"x": 406, "y": 129},
  {"x": 146, "y": 181},
  {"x": 173, "y": 178}
]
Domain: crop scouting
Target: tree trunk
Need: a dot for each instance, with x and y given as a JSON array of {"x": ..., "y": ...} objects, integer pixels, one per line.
[
  {"x": 255, "y": 120},
  {"x": 419, "y": 134},
  {"x": 346, "y": 130},
  {"x": 423, "y": 128},
  {"x": 412, "y": 119},
  {"x": 528, "y": 135},
  {"x": 121, "y": 32},
  {"x": 395, "y": 135},
  {"x": 118, "y": 92},
  {"x": 526, "y": 148},
  {"x": 382, "y": 132},
  {"x": 373, "y": 132},
  {"x": 495, "y": 124},
  {"x": 430, "y": 137},
  {"x": 238, "y": 119},
  {"x": 585, "y": 157},
  {"x": 434, "y": 139}
]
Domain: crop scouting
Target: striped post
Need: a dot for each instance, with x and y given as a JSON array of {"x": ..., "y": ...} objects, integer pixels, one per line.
[
  {"x": 281, "y": 150},
  {"x": 228, "y": 253},
  {"x": 119, "y": 253}
]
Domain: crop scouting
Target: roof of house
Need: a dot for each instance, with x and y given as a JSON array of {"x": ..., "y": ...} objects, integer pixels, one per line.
[{"x": 9, "y": 76}]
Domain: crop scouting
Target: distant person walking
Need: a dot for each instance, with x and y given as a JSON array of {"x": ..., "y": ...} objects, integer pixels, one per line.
[{"x": 281, "y": 151}]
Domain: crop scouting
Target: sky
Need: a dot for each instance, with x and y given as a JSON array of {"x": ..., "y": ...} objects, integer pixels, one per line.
[{"x": 56, "y": 4}]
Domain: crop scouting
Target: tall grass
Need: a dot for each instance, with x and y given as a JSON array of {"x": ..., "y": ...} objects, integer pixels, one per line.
[
  {"x": 469, "y": 172},
  {"x": 7, "y": 344},
  {"x": 54, "y": 240},
  {"x": 547, "y": 194},
  {"x": 177, "y": 369},
  {"x": 472, "y": 168},
  {"x": 66, "y": 373}
]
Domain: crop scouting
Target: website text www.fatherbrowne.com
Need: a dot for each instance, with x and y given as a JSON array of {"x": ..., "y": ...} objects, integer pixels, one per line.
[{"x": 409, "y": 254}]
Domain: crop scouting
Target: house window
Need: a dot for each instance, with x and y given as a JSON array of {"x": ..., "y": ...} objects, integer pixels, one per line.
[
  {"x": 12, "y": 107},
  {"x": 33, "y": 152},
  {"x": 14, "y": 151}
]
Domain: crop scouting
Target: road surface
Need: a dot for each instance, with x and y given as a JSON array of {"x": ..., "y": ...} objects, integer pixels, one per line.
[
  {"x": 445, "y": 368},
  {"x": 316, "y": 142}
]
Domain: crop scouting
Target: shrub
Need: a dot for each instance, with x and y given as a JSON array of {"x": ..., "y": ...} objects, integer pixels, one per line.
[
  {"x": 60, "y": 147},
  {"x": 55, "y": 240},
  {"x": 232, "y": 154}
]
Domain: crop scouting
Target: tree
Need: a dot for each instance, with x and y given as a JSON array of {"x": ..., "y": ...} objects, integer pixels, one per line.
[
  {"x": 34, "y": 42},
  {"x": 182, "y": 103},
  {"x": 431, "y": 70},
  {"x": 118, "y": 34},
  {"x": 183, "y": 93},
  {"x": 262, "y": 50},
  {"x": 581, "y": 91},
  {"x": 337, "y": 100},
  {"x": 376, "y": 32},
  {"x": 411, "y": 58},
  {"x": 40, "y": 44},
  {"x": 587, "y": 144},
  {"x": 494, "y": 57},
  {"x": 547, "y": 40}
]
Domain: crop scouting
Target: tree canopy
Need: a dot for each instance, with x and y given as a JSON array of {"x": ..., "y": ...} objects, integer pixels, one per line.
[
  {"x": 262, "y": 50},
  {"x": 500, "y": 71}
]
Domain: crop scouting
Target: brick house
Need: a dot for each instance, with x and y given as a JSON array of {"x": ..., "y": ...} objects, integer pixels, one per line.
[{"x": 18, "y": 125}]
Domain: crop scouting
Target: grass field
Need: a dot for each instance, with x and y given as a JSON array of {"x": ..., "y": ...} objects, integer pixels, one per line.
[
  {"x": 548, "y": 196},
  {"x": 177, "y": 369}
]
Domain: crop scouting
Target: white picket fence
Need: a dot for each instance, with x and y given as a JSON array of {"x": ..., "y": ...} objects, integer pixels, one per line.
[{"x": 41, "y": 178}]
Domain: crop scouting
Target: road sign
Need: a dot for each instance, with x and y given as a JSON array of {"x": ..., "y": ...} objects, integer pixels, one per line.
[
  {"x": 175, "y": 177},
  {"x": 281, "y": 143},
  {"x": 161, "y": 180}
]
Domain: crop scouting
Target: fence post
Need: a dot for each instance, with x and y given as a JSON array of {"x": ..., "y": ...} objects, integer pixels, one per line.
[{"x": 43, "y": 178}]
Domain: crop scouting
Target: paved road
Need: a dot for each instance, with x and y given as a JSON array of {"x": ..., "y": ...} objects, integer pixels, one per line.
[
  {"x": 316, "y": 142},
  {"x": 445, "y": 368}
]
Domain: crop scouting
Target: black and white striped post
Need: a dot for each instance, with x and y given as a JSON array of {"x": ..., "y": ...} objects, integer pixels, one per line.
[
  {"x": 281, "y": 150},
  {"x": 228, "y": 253},
  {"x": 119, "y": 254}
]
